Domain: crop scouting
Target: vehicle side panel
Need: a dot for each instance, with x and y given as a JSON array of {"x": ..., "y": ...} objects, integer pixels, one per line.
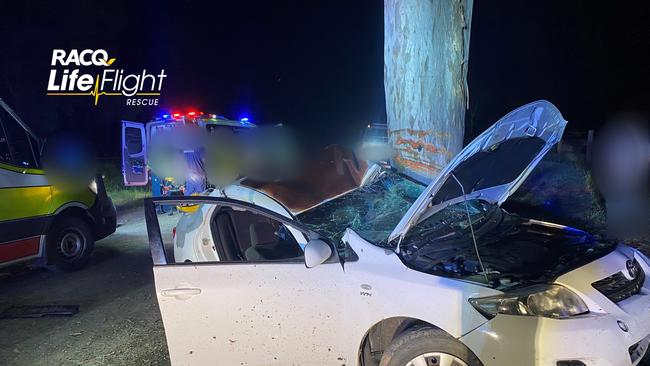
[
  {"x": 25, "y": 208},
  {"x": 60, "y": 198},
  {"x": 23, "y": 194},
  {"x": 18, "y": 203},
  {"x": 254, "y": 314},
  {"x": 29, "y": 204},
  {"x": 13, "y": 250},
  {"x": 385, "y": 288}
]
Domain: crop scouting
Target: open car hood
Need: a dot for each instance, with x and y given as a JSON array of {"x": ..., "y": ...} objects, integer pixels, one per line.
[{"x": 492, "y": 166}]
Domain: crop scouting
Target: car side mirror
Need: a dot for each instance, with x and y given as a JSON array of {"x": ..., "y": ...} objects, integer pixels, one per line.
[{"x": 316, "y": 252}]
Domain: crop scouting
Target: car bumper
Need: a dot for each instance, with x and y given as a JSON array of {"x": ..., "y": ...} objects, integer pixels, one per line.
[
  {"x": 595, "y": 340},
  {"x": 103, "y": 212}
]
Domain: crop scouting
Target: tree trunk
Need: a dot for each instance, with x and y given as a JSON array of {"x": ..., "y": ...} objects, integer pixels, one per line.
[{"x": 426, "y": 47}]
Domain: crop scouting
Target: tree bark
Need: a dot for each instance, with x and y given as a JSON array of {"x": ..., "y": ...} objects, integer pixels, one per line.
[{"x": 426, "y": 48}]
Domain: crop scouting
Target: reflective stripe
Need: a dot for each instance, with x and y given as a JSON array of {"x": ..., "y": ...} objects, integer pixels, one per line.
[
  {"x": 11, "y": 178},
  {"x": 21, "y": 169},
  {"x": 19, "y": 249},
  {"x": 17, "y": 203},
  {"x": 30, "y": 195}
]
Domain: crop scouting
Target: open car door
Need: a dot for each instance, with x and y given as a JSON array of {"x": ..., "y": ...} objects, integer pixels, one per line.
[
  {"x": 253, "y": 301},
  {"x": 134, "y": 154}
]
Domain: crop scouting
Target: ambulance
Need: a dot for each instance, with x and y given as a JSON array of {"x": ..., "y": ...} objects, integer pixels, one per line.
[
  {"x": 41, "y": 223},
  {"x": 137, "y": 136}
]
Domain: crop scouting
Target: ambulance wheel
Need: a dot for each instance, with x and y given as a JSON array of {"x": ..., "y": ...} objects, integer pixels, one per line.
[{"x": 69, "y": 244}]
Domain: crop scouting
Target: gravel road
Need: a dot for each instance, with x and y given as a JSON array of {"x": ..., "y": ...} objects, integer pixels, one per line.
[{"x": 118, "y": 322}]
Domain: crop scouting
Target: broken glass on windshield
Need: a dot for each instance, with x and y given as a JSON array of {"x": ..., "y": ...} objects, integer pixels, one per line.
[{"x": 371, "y": 211}]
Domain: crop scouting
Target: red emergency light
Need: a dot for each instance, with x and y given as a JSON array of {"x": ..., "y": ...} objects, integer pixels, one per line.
[
  {"x": 176, "y": 115},
  {"x": 191, "y": 114}
]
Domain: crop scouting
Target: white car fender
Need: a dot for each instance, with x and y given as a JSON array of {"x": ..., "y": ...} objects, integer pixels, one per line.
[{"x": 388, "y": 289}]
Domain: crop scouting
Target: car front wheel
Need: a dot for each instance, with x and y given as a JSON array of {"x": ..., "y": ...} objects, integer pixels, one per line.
[
  {"x": 427, "y": 347},
  {"x": 69, "y": 244}
]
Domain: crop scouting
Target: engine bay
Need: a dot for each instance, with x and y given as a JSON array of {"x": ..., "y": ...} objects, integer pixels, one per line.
[{"x": 514, "y": 250}]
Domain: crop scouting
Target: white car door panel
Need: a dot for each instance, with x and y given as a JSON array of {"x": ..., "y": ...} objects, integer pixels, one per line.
[
  {"x": 275, "y": 312},
  {"x": 252, "y": 314}
]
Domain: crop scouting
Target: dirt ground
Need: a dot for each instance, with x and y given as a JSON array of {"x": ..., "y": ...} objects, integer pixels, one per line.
[{"x": 118, "y": 321}]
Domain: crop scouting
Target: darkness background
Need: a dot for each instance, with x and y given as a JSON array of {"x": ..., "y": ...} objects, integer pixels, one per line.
[{"x": 318, "y": 66}]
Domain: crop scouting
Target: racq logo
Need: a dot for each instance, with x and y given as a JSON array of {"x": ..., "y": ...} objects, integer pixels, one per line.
[{"x": 140, "y": 89}]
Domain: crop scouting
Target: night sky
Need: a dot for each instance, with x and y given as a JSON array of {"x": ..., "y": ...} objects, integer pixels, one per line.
[{"x": 318, "y": 66}]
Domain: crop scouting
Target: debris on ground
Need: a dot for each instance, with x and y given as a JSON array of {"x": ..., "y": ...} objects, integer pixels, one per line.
[{"x": 38, "y": 311}]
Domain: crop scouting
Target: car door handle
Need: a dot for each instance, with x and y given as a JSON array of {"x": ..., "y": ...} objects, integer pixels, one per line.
[{"x": 181, "y": 293}]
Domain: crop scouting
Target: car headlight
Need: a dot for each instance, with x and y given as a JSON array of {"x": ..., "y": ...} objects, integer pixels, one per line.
[
  {"x": 550, "y": 301},
  {"x": 93, "y": 186}
]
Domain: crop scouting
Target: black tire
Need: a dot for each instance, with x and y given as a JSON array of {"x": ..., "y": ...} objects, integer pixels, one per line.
[
  {"x": 417, "y": 342},
  {"x": 69, "y": 244}
]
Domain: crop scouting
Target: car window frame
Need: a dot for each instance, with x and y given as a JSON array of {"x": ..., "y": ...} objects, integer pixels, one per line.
[
  {"x": 156, "y": 244},
  {"x": 36, "y": 143},
  {"x": 31, "y": 141},
  {"x": 129, "y": 143},
  {"x": 222, "y": 252}
]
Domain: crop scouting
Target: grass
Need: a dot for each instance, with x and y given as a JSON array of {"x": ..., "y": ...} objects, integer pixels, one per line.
[{"x": 120, "y": 194}]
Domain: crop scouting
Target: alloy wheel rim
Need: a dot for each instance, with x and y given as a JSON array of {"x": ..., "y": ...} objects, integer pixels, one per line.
[{"x": 436, "y": 359}]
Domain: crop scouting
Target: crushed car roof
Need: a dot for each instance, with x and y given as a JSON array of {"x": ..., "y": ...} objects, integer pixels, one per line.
[{"x": 334, "y": 172}]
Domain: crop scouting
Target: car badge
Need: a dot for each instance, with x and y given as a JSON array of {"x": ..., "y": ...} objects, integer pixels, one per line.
[
  {"x": 632, "y": 270},
  {"x": 623, "y": 326}
]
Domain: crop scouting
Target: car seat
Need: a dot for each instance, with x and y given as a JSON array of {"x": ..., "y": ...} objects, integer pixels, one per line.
[{"x": 267, "y": 245}]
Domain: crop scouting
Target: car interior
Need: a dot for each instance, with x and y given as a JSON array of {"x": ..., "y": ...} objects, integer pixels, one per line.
[{"x": 251, "y": 237}]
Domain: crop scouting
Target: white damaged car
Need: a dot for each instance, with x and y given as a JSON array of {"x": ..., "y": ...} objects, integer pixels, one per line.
[{"x": 395, "y": 273}]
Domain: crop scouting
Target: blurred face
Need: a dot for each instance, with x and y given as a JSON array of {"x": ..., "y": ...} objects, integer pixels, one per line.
[
  {"x": 621, "y": 159},
  {"x": 69, "y": 162}
]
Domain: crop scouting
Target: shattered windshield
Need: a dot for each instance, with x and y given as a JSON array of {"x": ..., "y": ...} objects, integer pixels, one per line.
[{"x": 371, "y": 211}]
